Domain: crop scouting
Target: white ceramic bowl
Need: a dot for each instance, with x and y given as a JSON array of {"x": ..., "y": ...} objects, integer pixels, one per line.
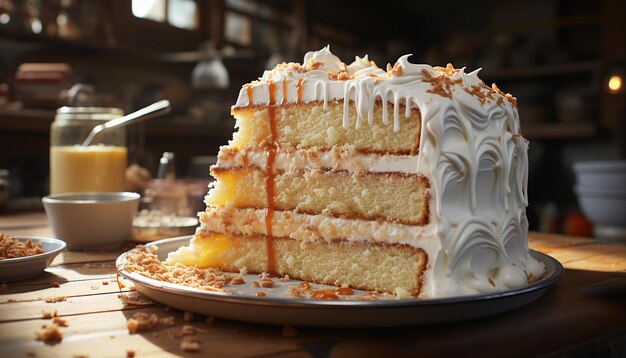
[
  {"x": 92, "y": 221},
  {"x": 601, "y": 175},
  {"x": 603, "y": 207}
]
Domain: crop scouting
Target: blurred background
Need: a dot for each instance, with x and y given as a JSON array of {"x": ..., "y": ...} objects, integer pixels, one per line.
[{"x": 563, "y": 60}]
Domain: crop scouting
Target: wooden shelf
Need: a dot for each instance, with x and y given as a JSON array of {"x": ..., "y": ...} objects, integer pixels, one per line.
[
  {"x": 559, "y": 131},
  {"x": 567, "y": 21},
  {"x": 540, "y": 70},
  {"x": 221, "y": 131},
  {"x": 39, "y": 120},
  {"x": 26, "y": 120}
]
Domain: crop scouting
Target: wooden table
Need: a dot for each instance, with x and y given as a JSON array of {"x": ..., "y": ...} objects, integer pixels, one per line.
[{"x": 585, "y": 314}]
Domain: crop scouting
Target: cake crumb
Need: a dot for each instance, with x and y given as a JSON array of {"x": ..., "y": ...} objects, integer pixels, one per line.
[
  {"x": 31, "y": 354},
  {"x": 260, "y": 294},
  {"x": 134, "y": 299},
  {"x": 55, "y": 299},
  {"x": 95, "y": 287},
  {"x": 105, "y": 283},
  {"x": 491, "y": 282},
  {"x": 167, "y": 321},
  {"x": 289, "y": 331},
  {"x": 190, "y": 345},
  {"x": 142, "y": 321},
  {"x": 188, "y": 316},
  {"x": 50, "y": 334},
  {"x": 130, "y": 353},
  {"x": 59, "y": 321},
  {"x": 55, "y": 284},
  {"x": 256, "y": 284},
  {"x": 211, "y": 320},
  {"x": 284, "y": 278},
  {"x": 188, "y": 330},
  {"x": 46, "y": 314}
]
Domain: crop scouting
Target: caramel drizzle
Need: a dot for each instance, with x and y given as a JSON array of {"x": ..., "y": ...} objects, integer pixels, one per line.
[
  {"x": 269, "y": 182},
  {"x": 249, "y": 92},
  {"x": 284, "y": 91},
  {"x": 244, "y": 157},
  {"x": 299, "y": 90}
]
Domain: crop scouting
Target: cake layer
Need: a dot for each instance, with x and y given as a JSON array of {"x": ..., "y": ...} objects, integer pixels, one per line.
[
  {"x": 374, "y": 267},
  {"x": 310, "y": 125},
  {"x": 391, "y": 197},
  {"x": 305, "y": 227}
]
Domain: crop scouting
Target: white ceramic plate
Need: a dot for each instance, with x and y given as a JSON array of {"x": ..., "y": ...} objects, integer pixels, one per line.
[
  {"x": 279, "y": 308},
  {"x": 21, "y": 268}
]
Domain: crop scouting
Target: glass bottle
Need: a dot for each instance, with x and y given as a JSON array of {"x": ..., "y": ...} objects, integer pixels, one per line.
[{"x": 99, "y": 167}]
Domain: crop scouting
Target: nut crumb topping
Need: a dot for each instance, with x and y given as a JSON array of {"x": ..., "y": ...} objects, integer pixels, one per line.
[
  {"x": 12, "y": 248},
  {"x": 442, "y": 84},
  {"x": 144, "y": 262},
  {"x": 396, "y": 70},
  {"x": 142, "y": 321}
]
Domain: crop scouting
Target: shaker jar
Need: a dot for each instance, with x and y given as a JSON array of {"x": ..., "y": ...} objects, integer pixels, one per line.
[{"x": 98, "y": 167}]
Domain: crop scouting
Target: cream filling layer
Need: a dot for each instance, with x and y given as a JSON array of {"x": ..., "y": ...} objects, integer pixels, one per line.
[
  {"x": 308, "y": 228},
  {"x": 335, "y": 159}
]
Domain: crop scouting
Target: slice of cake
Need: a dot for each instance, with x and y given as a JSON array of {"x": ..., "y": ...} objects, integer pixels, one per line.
[{"x": 409, "y": 181}]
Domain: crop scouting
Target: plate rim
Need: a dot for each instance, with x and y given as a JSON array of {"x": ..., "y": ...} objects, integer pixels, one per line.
[
  {"x": 61, "y": 246},
  {"x": 550, "y": 279}
]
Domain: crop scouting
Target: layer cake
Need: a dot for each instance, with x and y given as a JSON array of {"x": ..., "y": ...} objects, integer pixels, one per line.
[{"x": 409, "y": 180}]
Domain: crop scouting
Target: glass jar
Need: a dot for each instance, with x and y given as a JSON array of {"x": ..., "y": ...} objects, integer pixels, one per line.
[{"x": 99, "y": 167}]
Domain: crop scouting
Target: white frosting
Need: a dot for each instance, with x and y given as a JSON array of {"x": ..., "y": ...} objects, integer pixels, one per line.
[{"x": 471, "y": 151}]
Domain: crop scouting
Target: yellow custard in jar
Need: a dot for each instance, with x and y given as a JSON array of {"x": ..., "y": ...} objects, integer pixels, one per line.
[{"x": 92, "y": 168}]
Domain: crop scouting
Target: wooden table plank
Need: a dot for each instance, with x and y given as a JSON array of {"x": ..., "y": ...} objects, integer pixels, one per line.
[
  {"x": 90, "y": 302},
  {"x": 106, "y": 332},
  {"x": 42, "y": 291},
  {"x": 598, "y": 257}
]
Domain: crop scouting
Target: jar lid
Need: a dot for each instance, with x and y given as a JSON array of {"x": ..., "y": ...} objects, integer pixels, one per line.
[{"x": 97, "y": 113}]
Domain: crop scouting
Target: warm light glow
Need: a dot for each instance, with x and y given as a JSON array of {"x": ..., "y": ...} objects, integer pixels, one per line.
[{"x": 615, "y": 84}]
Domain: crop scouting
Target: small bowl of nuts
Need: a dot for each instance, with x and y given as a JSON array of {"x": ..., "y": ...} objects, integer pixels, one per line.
[{"x": 152, "y": 225}]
